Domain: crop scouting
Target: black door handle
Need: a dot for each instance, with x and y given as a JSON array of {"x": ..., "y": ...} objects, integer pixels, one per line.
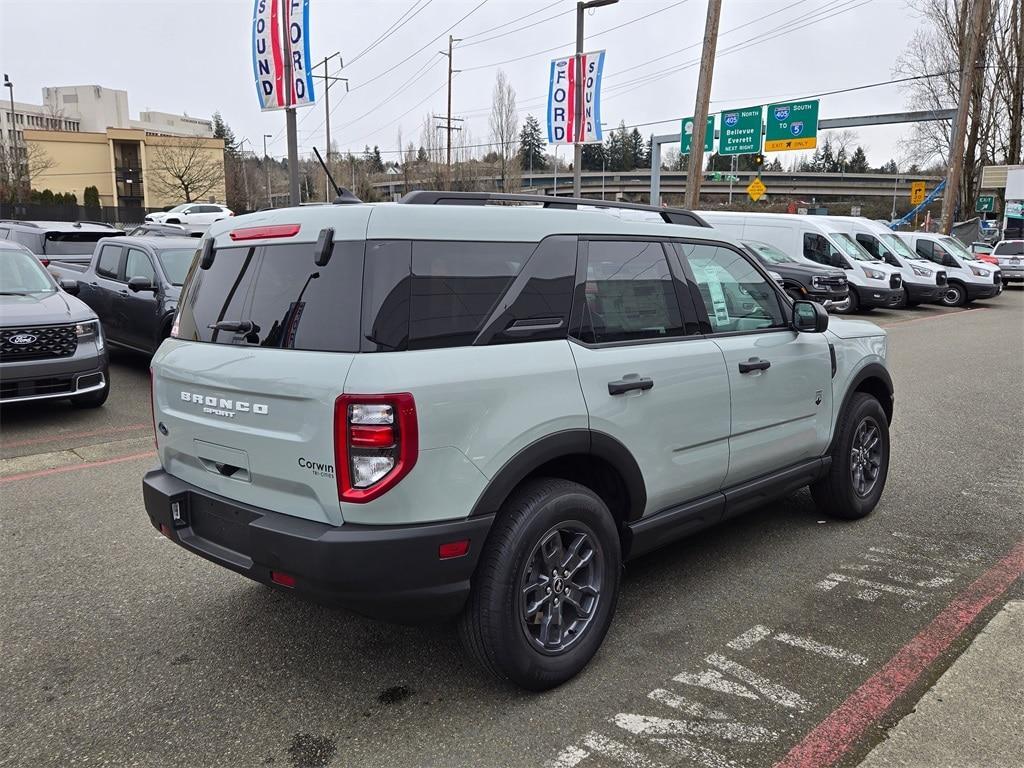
[
  {"x": 629, "y": 382},
  {"x": 755, "y": 364}
]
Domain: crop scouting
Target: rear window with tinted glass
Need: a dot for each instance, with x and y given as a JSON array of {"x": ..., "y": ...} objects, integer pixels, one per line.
[
  {"x": 275, "y": 296},
  {"x": 1010, "y": 248},
  {"x": 73, "y": 243}
]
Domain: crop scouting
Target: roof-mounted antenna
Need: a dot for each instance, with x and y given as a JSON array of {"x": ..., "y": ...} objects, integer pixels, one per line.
[{"x": 343, "y": 195}]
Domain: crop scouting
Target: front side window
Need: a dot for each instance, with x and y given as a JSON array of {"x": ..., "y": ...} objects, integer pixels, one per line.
[
  {"x": 109, "y": 261},
  {"x": 850, "y": 248},
  {"x": 629, "y": 294},
  {"x": 138, "y": 265},
  {"x": 736, "y": 296},
  {"x": 926, "y": 249},
  {"x": 817, "y": 248}
]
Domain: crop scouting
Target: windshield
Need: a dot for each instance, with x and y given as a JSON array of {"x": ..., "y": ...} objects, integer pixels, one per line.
[
  {"x": 958, "y": 248},
  {"x": 175, "y": 262},
  {"x": 22, "y": 274},
  {"x": 769, "y": 253},
  {"x": 897, "y": 246},
  {"x": 1010, "y": 248},
  {"x": 848, "y": 246}
]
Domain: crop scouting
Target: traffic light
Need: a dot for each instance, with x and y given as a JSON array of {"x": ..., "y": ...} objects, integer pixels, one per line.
[{"x": 758, "y": 161}]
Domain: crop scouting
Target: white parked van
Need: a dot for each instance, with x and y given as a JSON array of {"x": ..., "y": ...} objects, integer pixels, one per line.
[
  {"x": 924, "y": 282},
  {"x": 872, "y": 283},
  {"x": 967, "y": 278}
]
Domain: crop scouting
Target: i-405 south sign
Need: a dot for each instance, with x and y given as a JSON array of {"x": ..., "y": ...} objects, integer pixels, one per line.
[{"x": 792, "y": 125}]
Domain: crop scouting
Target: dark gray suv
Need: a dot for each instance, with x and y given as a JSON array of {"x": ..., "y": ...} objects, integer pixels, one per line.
[{"x": 51, "y": 344}]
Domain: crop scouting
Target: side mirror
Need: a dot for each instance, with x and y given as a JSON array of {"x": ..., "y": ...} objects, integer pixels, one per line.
[
  {"x": 140, "y": 283},
  {"x": 809, "y": 317},
  {"x": 69, "y": 286}
]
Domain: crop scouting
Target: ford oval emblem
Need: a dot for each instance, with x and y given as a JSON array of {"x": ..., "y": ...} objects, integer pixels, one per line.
[{"x": 22, "y": 338}]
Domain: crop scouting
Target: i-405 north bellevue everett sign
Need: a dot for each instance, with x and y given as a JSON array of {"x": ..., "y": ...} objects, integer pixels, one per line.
[
  {"x": 792, "y": 125},
  {"x": 740, "y": 132}
]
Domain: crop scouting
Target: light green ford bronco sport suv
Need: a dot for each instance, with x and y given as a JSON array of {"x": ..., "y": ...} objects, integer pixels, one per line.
[{"x": 448, "y": 408}]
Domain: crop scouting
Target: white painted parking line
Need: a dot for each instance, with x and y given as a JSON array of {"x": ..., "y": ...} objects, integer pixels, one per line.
[
  {"x": 770, "y": 690},
  {"x": 899, "y": 575},
  {"x": 873, "y": 589},
  {"x": 684, "y": 705},
  {"x": 713, "y": 680},
  {"x": 822, "y": 649},
  {"x": 750, "y": 638},
  {"x": 660, "y": 726}
]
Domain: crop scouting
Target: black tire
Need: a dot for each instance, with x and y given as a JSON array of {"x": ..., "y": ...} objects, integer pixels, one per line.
[
  {"x": 854, "y": 302},
  {"x": 494, "y": 627},
  {"x": 837, "y": 494},
  {"x": 955, "y": 295},
  {"x": 94, "y": 399}
]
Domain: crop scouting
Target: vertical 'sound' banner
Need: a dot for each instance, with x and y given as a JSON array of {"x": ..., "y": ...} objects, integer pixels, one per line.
[{"x": 267, "y": 58}]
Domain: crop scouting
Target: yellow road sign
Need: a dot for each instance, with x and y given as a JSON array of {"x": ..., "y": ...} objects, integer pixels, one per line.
[
  {"x": 916, "y": 192},
  {"x": 756, "y": 189}
]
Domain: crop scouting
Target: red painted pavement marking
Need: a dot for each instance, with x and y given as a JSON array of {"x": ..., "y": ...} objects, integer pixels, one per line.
[
  {"x": 838, "y": 733},
  {"x": 73, "y": 467},
  {"x": 74, "y": 435}
]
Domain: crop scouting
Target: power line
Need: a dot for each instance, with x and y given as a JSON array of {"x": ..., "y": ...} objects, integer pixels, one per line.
[
  {"x": 516, "y": 20},
  {"x": 397, "y": 25}
]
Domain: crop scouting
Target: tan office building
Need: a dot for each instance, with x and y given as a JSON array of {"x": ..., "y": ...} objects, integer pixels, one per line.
[{"x": 130, "y": 167}]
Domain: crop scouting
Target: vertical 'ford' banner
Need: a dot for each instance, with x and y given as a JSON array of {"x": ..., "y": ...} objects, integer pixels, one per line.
[
  {"x": 271, "y": 20},
  {"x": 562, "y": 127},
  {"x": 297, "y": 26},
  {"x": 267, "y": 58}
]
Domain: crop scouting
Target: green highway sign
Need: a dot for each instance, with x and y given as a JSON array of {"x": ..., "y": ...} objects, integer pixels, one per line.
[
  {"x": 792, "y": 125},
  {"x": 985, "y": 204},
  {"x": 740, "y": 132},
  {"x": 686, "y": 131}
]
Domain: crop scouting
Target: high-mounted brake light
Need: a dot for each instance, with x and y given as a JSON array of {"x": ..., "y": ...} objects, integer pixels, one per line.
[
  {"x": 263, "y": 233},
  {"x": 376, "y": 443}
]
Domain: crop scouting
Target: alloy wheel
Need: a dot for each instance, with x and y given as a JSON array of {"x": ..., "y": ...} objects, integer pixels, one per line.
[{"x": 866, "y": 456}]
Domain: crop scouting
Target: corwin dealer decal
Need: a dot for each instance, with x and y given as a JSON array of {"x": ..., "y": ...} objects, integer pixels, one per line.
[
  {"x": 220, "y": 406},
  {"x": 318, "y": 469}
]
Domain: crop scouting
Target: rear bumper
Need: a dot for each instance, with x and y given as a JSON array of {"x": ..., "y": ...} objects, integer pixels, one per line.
[
  {"x": 385, "y": 572},
  {"x": 924, "y": 293},
  {"x": 879, "y": 297}
]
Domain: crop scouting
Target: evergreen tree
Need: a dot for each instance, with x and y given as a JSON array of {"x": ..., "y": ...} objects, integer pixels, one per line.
[
  {"x": 91, "y": 196},
  {"x": 531, "y": 146},
  {"x": 374, "y": 162},
  {"x": 858, "y": 162},
  {"x": 826, "y": 158},
  {"x": 615, "y": 150},
  {"x": 889, "y": 167},
  {"x": 421, "y": 155},
  {"x": 593, "y": 157},
  {"x": 637, "y": 151},
  {"x": 221, "y": 130}
]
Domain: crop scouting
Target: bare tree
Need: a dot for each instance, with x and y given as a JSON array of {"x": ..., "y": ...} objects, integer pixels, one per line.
[
  {"x": 184, "y": 166},
  {"x": 504, "y": 125},
  {"x": 938, "y": 50}
]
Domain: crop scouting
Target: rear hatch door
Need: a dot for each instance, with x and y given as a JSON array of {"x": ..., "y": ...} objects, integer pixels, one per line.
[{"x": 244, "y": 395}]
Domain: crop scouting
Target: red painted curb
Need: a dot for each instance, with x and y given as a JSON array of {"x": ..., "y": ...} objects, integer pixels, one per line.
[
  {"x": 74, "y": 435},
  {"x": 838, "y": 733},
  {"x": 73, "y": 467}
]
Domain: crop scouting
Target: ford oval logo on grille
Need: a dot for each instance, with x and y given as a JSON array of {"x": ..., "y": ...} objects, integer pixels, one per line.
[{"x": 22, "y": 338}]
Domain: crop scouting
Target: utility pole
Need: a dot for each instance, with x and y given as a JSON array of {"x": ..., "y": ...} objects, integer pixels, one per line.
[
  {"x": 695, "y": 165},
  {"x": 266, "y": 167},
  {"x": 328, "y": 82},
  {"x": 15, "y": 158},
  {"x": 291, "y": 128},
  {"x": 245, "y": 173},
  {"x": 578, "y": 128},
  {"x": 448, "y": 120},
  {"x": 971, "y": 71}
]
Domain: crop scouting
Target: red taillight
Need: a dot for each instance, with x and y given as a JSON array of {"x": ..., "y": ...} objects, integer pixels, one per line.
[
  {"x": 453, "y": 549},
  {"x": 376, "y": 443},
  {"x": 44, "y": 262},
  {"x": 284, "y": 579},
  {"x": 262, "y": 233}
]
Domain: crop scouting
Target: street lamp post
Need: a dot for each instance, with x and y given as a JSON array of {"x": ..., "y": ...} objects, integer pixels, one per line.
[
  {"x": 577, "y": 161},
  {"x": 245, "y": 173},
  {"x": 895, "y": 181},
  {"x": 266, "y": 167},
  {"x": 15, "y": 160}
]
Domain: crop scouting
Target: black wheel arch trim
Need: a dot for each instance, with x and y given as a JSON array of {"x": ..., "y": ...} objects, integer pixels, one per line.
[
  {"x": 869, "y": 371},
  {"x": 554, "y": 446}
]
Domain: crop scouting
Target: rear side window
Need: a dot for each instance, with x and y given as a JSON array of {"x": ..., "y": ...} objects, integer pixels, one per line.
[
  {"x": 456, "y": 285},
  {"x": 109, "y": 261},
  {"x": 629, "y": 294}
]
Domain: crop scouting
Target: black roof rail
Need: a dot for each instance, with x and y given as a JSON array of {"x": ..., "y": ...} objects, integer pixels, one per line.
[
  {"x": 96, "y": 223},
  {"x": 19, "y": 221},
  {"x": 437, "y": 197}
]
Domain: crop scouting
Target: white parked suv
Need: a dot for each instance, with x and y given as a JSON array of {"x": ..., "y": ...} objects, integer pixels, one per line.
[
  {"x": 967, "y": 278},
  {"x": 924, "y": 282},
  {"x": 192, "y": 214},
  {"x": 1010, "y": 254}
]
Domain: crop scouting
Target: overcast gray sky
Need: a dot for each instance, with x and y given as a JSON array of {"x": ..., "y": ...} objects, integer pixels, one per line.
[{"x": 195, "y": 57}]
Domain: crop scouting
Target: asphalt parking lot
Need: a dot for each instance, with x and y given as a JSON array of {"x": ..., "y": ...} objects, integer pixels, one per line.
[{"x": 737, "y": 647}]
